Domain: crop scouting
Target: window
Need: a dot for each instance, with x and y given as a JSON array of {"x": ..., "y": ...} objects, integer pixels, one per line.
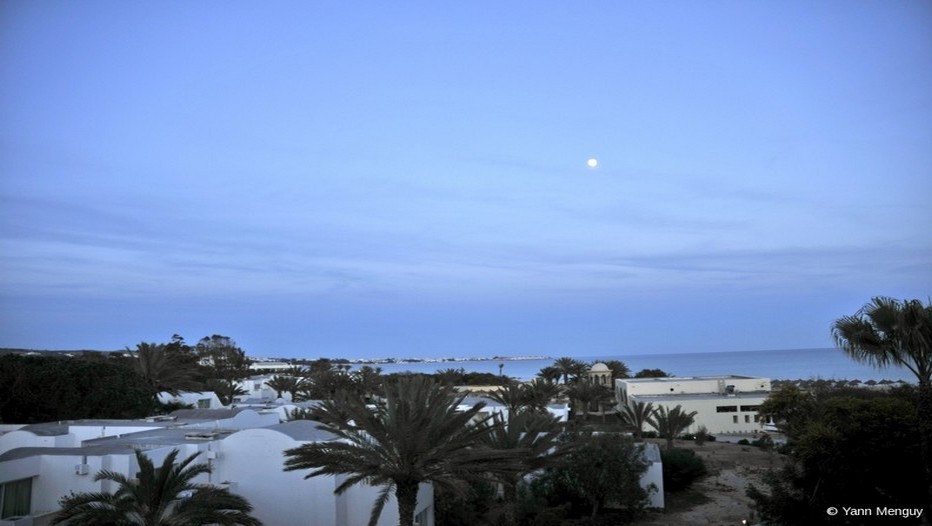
[
  {"x": 15, "y": 498},
  {"x": 203, "y": 403},
  {"x": 734, "y": 419},
  {"x": 757, "y": 418},
  {"x": 726, "y": 409},
  {"x": 747, "y": 419},
  {"x": 750, "y": 408}
]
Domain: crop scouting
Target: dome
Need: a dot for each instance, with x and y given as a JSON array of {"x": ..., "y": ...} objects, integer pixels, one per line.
[{"x": 599, "y": 368}]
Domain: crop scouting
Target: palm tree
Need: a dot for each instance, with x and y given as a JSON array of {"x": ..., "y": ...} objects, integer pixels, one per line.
[
  {"x": 511, "y": 395},
  {"x": 539, "y": 393},
  {"x": 284, "y": 384},
  {"x": 570, "y": 367},
  {"x": 550, "y": 373},
  {"x": 416, "y": 436},
  {"x": 890, "y": 332},
  {"x": 163, "y": 370},
  {"x": 636, "y": 414},
  {"x": 158, "y": 497},
  {"x": 368, "y": 380},
  {"x": 536, "y": 436},
  {"x": 671, "y": 423},
  {"x": 619, "y": 369},
  {"x": 585, "y": 394}
]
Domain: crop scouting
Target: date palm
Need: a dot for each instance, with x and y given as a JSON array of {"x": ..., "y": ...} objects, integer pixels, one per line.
[
  {"x": 284, "y": 384},
  {"x": 636, "y": 414},
  {"x": 165, "y": 370},
  {"x": 584, "y": 394},
  {"x": 158, "y": 497},
  {"x": 671, "y": 423},
  {"x": 570, "y": 368},
  {"x": 539, "y": 393},
  {"x": 416, "y": 436},
  {"x": 535, "y": 436},
  {"x": 891, "y": 332},
  {"x": 511, "y": 395}
]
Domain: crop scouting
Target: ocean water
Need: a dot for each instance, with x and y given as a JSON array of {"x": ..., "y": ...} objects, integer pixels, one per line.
[{"x": 794, "y": 364}]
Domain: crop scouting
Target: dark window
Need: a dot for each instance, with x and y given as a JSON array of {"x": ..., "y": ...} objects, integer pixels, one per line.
[
  {"x": 750, "y": 408},
  {"x": 726, "y": 409},
  {"x": 15, "y": 498}
]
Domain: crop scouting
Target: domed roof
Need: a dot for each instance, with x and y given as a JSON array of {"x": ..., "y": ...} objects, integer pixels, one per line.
[{"x": 599, "y": 368}]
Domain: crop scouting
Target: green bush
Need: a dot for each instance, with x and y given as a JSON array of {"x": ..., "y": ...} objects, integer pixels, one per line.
[
  {"x": 681, "y": 467},
  {"x": 744, "y": 442}
]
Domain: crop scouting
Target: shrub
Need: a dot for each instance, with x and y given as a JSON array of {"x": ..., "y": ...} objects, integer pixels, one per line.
[
  {"x": 681, "y": 467},
  {"x": 703, "y": 436},
  {"x": 744, "y": 442}
]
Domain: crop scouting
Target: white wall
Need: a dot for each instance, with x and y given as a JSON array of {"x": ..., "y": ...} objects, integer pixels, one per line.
[
  {"x": 253, "y": 460},
  {"x": 653, "y": 476}
]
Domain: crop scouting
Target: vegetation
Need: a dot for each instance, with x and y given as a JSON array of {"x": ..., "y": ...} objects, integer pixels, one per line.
[
  {"x": 570, "y": 369},
  {"x": 158, "y": 496},
  {"x": 681, "y": 467},
  {"x": 168, "y": 368},
  {"x": 600, "y": 470},
  {"x": 851, "y": 448},
  {"x": 671, "y": 423},
  {"x": 891, "y": 332},
  {"x": 416, "y": 436},
  {"x": 37, "y": 389},
  {"x": 636, "y": 414},
  {"x": 226, "y": 364},
  {"x": 652, "y": 373}
]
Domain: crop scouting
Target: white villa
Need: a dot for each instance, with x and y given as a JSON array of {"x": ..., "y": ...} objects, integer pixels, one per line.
[
  {"x": 724, "y": 404},
  {"x": 41, "y": 463}
]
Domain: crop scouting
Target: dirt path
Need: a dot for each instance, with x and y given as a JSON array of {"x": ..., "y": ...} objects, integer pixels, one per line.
[{"x": 718, "y": 498}]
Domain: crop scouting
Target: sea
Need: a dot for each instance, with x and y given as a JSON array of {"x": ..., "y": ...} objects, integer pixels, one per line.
[{"x": 792, "y": 364}]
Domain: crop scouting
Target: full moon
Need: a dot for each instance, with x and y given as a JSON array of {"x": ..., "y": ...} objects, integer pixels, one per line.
[{"x": 592, "y": 163}]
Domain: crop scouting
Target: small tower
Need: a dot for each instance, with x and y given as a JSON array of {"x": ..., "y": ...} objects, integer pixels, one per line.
[{"x": 600, "y": 374}]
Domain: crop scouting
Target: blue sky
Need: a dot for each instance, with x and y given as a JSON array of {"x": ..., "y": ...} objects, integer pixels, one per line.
[{"x": 410, "y": 179}]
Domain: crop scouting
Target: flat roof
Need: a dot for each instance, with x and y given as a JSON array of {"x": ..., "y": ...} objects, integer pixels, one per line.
[
  {"x": 692, "y": 378},
  {"x": 700, "y": 396}
]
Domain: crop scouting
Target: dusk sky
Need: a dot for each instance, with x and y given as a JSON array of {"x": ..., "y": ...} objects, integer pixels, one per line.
[{"x": 410, "y": 179}]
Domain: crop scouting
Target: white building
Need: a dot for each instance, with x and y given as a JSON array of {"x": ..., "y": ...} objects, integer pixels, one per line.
[
  {"x": 560, "y": 410},
  {"x": 40, "y": 464},
  {"x": 724, "y": 404}
]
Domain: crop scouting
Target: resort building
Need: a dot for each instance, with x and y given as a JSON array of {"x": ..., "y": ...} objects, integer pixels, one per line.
[
  {"x": 39, "y": 464},
  {"x": 723, "y": 404}
]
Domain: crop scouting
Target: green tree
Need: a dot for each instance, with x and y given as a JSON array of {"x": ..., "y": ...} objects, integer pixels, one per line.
[
  {"x": 601, "y": 469},
  {"x": 636, "y": 414},
  {"x": 619, "y": 369},
  {"x": 368, "y": 381},
  {"x": 671, "y": 423},
  {"x": 539, "y": 393},
  {"x": 534, "y": 438},
  {"x": 585, "y": 394},
  {"x": 790, "y": 408},
  {"x": 891, "y": 332},
  {"x": 157, "y": 497},
  {"x": 417, "y": 436},
  {"x": 550, "y": 373},
  {"x": 570, "y": 368},
  {"x": 512, "y": 395},
  {"x": 48, "y": 388},
  {"x": 163, "y": 368},
  {"x": 652, "y": 373},
  {"x": 284, "y": 384},
  {"x": 842, "y": 453},
  {"x": 227, "y": 365}
]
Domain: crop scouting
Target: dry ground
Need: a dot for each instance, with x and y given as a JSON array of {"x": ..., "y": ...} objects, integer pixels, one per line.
[{"x": 718, "y": 498}]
